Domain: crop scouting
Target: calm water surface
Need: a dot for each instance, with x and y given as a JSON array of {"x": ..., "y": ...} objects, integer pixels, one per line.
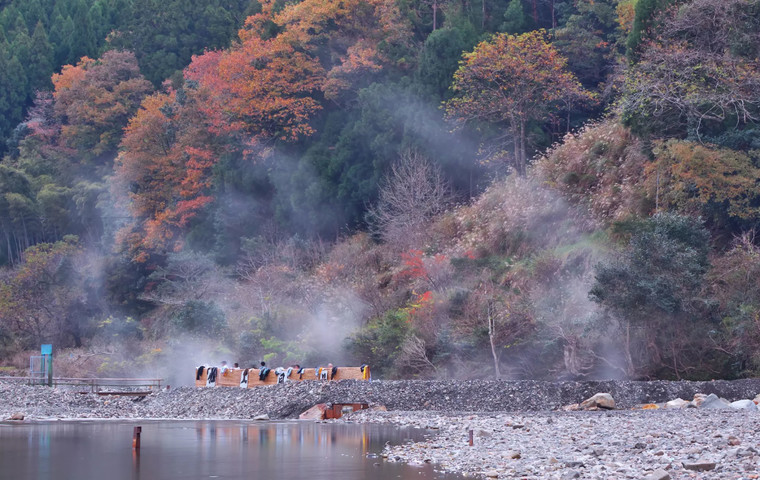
[{"x": 203, "y": 450}]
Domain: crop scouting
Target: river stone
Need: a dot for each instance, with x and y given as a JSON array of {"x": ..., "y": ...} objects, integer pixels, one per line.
[
  {"x": 600, "y": 400},
  {"x": 677, "y": 403},
  {"x": 17, "y": 416},
  {"x": 263, "y": 416},
  {"x": 699, "y": 398},
  {"x": 658, "y": 475},
  {"x": 317, "y": 412},
  {"x": 744, "y": 405},
  {"x": 492, "y": 474},
  {"x": 712, "y": 402},
  {"x": 699, "y": 465}
]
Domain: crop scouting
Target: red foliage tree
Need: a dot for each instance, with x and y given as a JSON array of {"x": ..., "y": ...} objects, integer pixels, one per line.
[{"x": 168, "y": 151}]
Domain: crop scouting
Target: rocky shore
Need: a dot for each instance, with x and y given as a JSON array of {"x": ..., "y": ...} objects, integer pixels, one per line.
[
  {"x": 641, "y": 444},
  {"x": 519, "y": 428}
]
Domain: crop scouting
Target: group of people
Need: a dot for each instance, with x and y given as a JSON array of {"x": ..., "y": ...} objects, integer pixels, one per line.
[
  {"x": 224, "y": 369},
  {"x": 294, "y": 372}
]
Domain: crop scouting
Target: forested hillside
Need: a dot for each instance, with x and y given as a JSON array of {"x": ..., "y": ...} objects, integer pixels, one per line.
[{"x": 518, "y": 188}]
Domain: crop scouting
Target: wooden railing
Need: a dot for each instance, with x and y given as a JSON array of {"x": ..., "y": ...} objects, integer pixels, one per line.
[{"x": 97, "y": 385}]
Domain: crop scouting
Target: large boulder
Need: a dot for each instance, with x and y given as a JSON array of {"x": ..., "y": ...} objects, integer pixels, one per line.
[
  {"x": 744, "y": 405},
  {"x": 677, "y": 403},
  {"x": 317, "y": 412},
  {"x": 713, "y": 402},
  {"x": 600, "y": 400}
]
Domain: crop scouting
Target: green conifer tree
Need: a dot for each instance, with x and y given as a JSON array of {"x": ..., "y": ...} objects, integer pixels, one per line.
[
  {"x": 33, "y": 12},
  {"x": 514, "y": 18},
  {"x": 83, "y": 42},
  {"x": 60, "y": 37},
  {"x": 21, "y": 49},
  {"x": 646, "y": 14},
  {"x": 40, "y": 65}
]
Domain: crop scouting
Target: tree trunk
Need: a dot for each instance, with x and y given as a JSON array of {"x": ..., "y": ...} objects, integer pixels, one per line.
[
  {"x": 10, "y": 249},
  {"x": 554, "y": 19},
  {"x": 629, "y": 369},
  {"x": 523, "y": 155},
  {"x": 570, "y": 356},
  {"x": 483, "y": 15},
  {"x": 491, "y": 338},
  {"x": 516, "y": 135},
  {"x": 535, "y": 13},
  {"x": 435, "y": 14}
]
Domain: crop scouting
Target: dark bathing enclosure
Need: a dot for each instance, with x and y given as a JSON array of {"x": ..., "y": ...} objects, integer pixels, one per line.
[{"x": 188, "y": 450}]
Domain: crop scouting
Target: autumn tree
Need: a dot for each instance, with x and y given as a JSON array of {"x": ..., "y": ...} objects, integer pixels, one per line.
[
  {"x": 717, "y": 183},
  {"x": 272, "y": 81},
  {"x": 513, "y": 80},
  {"x": 168, "y": 151},
  {"x": 45, "y": 297},
  {"x": 413, "y": 193},
  {"x": 698, "y": 77},
  {"x": 95, "y": 98},
  {"x": 263, "y": 85}
]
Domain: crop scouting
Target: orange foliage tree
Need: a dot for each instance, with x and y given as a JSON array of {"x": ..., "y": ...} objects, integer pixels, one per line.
[
  {"x": 263, "y": 89},
  {"x": 513, "y": 80},
  {"x": 168, "y": 151},
  {"x": 699, "y": 179},
  {"x": 272, "y": 84},
  {"x": 94, "y": 99}
]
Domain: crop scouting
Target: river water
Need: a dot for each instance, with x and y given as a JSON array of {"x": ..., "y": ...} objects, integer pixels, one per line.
[{"x": 224, "y": 450}]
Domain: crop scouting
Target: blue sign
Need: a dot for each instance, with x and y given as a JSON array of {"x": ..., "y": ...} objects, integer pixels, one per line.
[{"x": 47, "y": 349}]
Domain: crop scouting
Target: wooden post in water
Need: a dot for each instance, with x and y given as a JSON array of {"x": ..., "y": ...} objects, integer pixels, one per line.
[{"x": 136, "y": 438}]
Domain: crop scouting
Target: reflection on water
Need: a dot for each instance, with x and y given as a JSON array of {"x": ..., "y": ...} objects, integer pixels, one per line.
[{"x": 202, "y": 450}]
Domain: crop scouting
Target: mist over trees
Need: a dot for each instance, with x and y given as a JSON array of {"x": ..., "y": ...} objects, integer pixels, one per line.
[{"x": 517, "y": 188}]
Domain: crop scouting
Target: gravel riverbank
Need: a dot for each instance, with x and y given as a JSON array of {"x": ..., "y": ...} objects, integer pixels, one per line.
[
  {"x": 642, "y": 444},
  {"x": 518, "y": 430},
  {"x": 290, "y": 399}
]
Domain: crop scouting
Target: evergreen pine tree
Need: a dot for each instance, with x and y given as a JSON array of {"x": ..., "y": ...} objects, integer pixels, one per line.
[
  {"x": 5, "y": 90},
  {"x": 98, "y": 24},
  {"x": 9, "y": 17},
  {"x": 646, "y": 13},
  {"x": 33, "y": 12},
  {"x": 12, "y": 93},
  {"x": 83, "y": 42},
  {"x": 19, "y": 89},
  {"x": 514, "y": 18},
  {"x": 41, "y": 59},
  {"x": 21, "y": 49},
  {"x": 60, "y": 37}
]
